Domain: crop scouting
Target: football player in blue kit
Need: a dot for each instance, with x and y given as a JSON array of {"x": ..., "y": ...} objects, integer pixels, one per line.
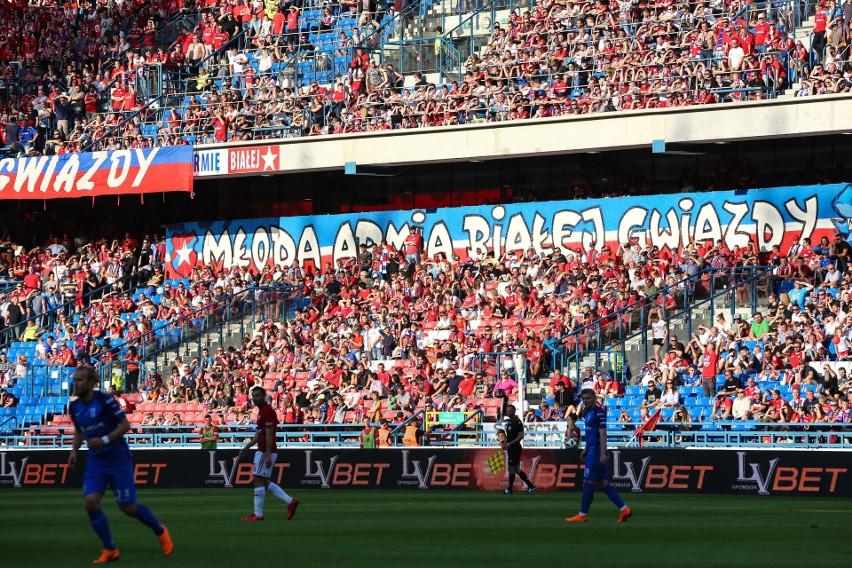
[
  {"x": 100, "y": 422},
  {"x": 597, "y": 459}
]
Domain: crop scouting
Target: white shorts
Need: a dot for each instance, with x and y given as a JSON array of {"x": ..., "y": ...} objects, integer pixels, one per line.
[{"x": 260, "y": 469}]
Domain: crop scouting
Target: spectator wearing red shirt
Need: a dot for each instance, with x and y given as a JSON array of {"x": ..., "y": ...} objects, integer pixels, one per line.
[
  {"x": 117, "y": 98},
  {"x": 292, "y": 25},
  {"x": 762, "y": 33},
  {"x": 130, "y": 103},
  {"x": 220, "y": 127},
  {"x": 819, "y": 40}
]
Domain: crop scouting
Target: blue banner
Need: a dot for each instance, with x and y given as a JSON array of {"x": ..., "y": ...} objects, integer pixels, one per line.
[{"x": 766, "y": 217}]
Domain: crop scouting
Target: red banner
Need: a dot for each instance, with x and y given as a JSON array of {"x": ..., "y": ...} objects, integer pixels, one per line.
[{"x": 120, "y": 172}]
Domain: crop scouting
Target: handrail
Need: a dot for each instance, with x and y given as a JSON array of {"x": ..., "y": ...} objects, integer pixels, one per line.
[
  {"x": 186, "y": 322},
  {"x": 461, "y": 427},
  {"x": 394, "y": 434},
  {"x": 129, "y": 118},
  {"x": 389, "y": 25},
  {"x": 13, "y": 419},
  {"x": 640, "y": 305},
  {"x": 758, "y": 272},
  {"x": 226, "y": 46},
  {"x": 65, "y": 306},
  {"x": 168, "y": 21},
  {"x": 629, "y": 308},
  {"x": 731, "y": 433}
]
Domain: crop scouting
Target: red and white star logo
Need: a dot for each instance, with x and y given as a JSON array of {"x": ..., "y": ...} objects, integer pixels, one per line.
[{"x": 183, "y": 256}]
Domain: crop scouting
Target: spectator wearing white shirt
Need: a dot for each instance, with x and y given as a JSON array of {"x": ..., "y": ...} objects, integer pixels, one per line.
[
  {"x": 671, "y": 396},
  {"x": 742, "y": 406},
  {"x": 736, "y": 55}
]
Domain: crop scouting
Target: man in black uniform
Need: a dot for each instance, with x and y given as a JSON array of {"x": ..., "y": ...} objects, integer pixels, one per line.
[{"x": 513, "y": 449}]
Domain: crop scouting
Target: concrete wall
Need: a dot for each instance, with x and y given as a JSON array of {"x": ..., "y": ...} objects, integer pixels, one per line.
[{"x": 566, "y": 135}]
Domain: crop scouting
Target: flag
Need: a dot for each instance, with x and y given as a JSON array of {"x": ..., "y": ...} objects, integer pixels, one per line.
[
  {"x": 649, "y": 425},
  {"x": 497, "y": 462}
]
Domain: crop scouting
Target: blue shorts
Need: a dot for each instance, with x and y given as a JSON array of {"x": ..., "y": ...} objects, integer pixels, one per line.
[
  {"x": 119, "y": 477},
  {"x": 595, "y": 470}
]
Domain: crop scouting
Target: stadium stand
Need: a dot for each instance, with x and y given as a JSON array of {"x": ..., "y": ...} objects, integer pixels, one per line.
[
  {"x": 386, "y": 338},
  {"x": 382, "y": 337},
  {"x": 163, "y": 76}
]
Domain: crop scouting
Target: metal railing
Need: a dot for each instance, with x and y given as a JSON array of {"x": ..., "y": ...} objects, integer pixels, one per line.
[
  {"x": 192, "y": 332},
  {"x": 67, "y": 307},
  {"x": 613, "y": 331},
  {"x": 728, "y": 293},
  {"x": 621, "y": 322},
  {"x": 727, "y": 434}
]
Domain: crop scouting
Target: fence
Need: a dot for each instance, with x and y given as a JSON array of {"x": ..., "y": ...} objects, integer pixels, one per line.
[
  {"x": 714, "y": 291},
  {"x": 475, "y": 433}
]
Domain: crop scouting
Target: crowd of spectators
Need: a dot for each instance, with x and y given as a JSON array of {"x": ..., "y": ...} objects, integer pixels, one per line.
[
  {"x": 47, "y": 288},
  {"x": 61, "y": 60},
  {"x": 556, "y": 59},
  {"x": 392, "y": 331}
]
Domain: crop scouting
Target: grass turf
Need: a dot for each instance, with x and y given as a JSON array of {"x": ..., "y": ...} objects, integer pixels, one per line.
[{"x": 447, "y": 528}]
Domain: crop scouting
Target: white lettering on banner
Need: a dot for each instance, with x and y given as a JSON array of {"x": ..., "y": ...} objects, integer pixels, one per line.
[
  {"x": 564, "y": 223},
  {"x": 539, "y": 232},
  {"x": 761, "y": 480},
  {"x": 396, "y": 238},
  {"x": 807, "y": 216},
  {"x": 368, "y": 233},
  {"x": 309, "y": 248},
  {"x": 319, "y": 472},
  {"x": 208, "y": 162},
  {"x": 260, "y": 249},
  {"x": 632, "y": 218},
  {"x": 10, "y": 470},
  {"x": 517, "y": 234},
  {"x": 595, "y": 217},
  {"x": 9, "y": 165},
  {"x": 45, "y": 181},
  {"x": 629, "y": 474},
  {"x": 217, "y": 249},
  {"x": 28, "y": 173},
  {"x": 477, "y": 229},
  {"x": 686, "y": 205},
  {"x": 344, "y": 243},
  {"x": 115, "y": 179},
  {"x": 283, "y": 247},
  {"x": 244, "y": 159},
  {"x": 733, "y": 236},
  {"x": 708, "y": 227},
  {"x": 144, "y": 164},
  {"x": 412, "y": 470},
  {"x": 668, "y": 238},
  {"x": 440, "y": 240},
  {"x": 498, "y": 214},
  {"x": 241, "y": 255},
  {"x": 224, "y": 472},
  {"x": 553, "y": 227},
  {"x": 768, "y": 220},
  {"x": 85, "y": 182}
]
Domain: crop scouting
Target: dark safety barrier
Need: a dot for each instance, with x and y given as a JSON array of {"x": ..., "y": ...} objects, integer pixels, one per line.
[{"x": 762, "y": 472}]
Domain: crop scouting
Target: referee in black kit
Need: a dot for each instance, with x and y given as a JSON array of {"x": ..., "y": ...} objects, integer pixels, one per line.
[{"x": 512, "y": 447}]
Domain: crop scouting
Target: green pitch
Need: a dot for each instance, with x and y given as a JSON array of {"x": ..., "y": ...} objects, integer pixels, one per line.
[{"x": 430, "y": 528}]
